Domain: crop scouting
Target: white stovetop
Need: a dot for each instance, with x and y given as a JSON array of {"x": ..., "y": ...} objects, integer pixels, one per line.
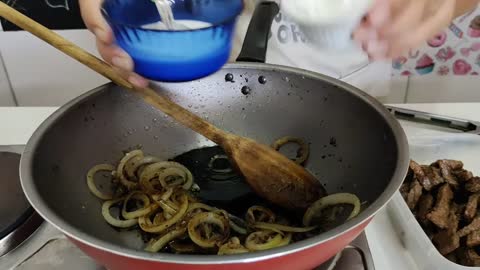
[{"x": 18, "y": 123}]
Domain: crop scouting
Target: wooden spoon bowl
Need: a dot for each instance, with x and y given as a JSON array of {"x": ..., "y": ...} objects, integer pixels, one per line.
[{"x": 273, "y": 176}]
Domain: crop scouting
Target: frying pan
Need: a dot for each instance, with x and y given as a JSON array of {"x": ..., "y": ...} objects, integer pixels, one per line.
[{"x": 356, "y": 146}]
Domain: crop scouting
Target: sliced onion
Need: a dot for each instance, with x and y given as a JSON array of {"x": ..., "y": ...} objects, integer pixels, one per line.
[
  {"x": 286, "y": 240},
  {"x": 281, "y": 228},
  {"x": 147, "y": 176},
  {"x": 144, "y": 224},
  {"x": 163, "y": 201},
  {"x": 334, "y": 199},
  {"x": 145, "y": 210},
  {"x": 144, "y": 161},
  {"x": 237, "y": 224},
  {"x": 302, "y": 152},
  {"x": 167, "y": 215},
  {"x": 259, "y": 214},
  {"x": 181, "y": 176},
  {"x": 154, "y": 170},
  {"x": 163, "y": 207},
  {"x": 263, "y": 240},
  {"x": 233, "y": 246},
  {"x": 157, "y": 245},
  {"x": 172, "y": 205},
  {"x": 91, "y": 180},
  {"x": 210, "y": 218},
  {"x": 189, "y": 181},
  {"x": 184, "y": 248},
  {"x": 158, "y": 219},
  {"x": 167, "y": 208},
  {"x": 130, "y": 166},
  {"x": 121, "y": 166},
  {"x": 166, "y": 196},
  {"x": 202, "y": 206},
  {"x": 113, "y": 221},
  {"x": 207, "y": 229}
]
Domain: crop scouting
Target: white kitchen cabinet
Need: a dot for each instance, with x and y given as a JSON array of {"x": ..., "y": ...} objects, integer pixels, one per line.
[
  {"x": 42, "y": 76},
  {"x": 6, "y": 96}
]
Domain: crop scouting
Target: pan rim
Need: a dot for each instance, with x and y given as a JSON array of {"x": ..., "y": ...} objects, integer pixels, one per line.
[{"x": 364, "y": 217}]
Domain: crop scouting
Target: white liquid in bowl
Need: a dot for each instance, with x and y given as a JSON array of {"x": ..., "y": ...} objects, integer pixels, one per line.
[
  {"x": 168, "y": 21},
  {"x": 177, "y": 25}
]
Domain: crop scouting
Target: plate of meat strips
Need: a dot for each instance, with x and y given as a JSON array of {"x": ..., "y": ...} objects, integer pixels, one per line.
[{"x": 436, "y": 211}]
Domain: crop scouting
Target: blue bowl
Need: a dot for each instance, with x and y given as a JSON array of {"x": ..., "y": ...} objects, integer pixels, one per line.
[{"x": 180, "y": 55}]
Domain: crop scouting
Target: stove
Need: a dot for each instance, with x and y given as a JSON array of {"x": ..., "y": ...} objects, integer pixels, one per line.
[{"x": 27, "y": 242}]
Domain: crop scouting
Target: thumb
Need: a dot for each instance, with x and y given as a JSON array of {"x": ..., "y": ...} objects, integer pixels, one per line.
[{"x": 90, "y": 10}]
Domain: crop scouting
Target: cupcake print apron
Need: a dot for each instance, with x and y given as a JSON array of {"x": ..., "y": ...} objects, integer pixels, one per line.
[{"x": 454, "y": 51}]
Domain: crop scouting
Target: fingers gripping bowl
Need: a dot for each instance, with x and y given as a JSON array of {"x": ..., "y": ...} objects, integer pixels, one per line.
[
  {"x": 179, "y": 55},
  {"x": 361, "y": 150}
]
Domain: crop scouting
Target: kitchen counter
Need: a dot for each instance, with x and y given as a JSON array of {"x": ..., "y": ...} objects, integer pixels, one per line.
[{"x": 18, "y": 124}]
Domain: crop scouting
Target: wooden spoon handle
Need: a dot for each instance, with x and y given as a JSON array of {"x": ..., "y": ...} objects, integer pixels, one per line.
[{"x": 169, "y": 107}]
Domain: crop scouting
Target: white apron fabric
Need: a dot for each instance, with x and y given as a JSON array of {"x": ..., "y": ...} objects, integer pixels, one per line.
[{"x": 289, "y": 47}]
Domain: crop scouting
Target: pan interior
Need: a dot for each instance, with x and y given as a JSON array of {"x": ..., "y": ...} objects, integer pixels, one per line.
[{"x": 352, "y": 147}]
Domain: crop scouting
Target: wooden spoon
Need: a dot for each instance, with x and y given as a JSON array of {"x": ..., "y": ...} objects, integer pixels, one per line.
[{"x": 269, "y": 173}]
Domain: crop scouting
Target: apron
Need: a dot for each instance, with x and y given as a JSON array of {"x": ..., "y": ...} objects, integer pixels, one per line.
[
  {"x": 455, "y": 51},
  {"x": 288, "y": 47}
]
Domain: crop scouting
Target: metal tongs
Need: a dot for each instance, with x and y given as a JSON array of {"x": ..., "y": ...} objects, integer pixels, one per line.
[{"x": 464, "y": 125}]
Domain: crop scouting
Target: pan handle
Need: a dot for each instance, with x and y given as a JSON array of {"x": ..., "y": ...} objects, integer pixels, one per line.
[
  {"x": 255, "y": 45},
  {"x": 436, "y": 120}
]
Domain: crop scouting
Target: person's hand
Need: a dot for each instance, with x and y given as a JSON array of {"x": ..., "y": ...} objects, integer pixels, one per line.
[
  {"x": 393, "y": 27},
  {"x": 90, "y": 10}
]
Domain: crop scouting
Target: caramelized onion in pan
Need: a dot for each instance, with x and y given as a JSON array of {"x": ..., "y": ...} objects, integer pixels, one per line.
[{"x": 157, "y": 196}]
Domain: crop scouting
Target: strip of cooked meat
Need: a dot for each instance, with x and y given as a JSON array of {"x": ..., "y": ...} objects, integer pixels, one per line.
[
  {"x": 473, "y": 185},
  {"x": 453, "y": 164},
  {"x": 474, "y": 226},
  {"x": 441, "y": 213},
  {"x": 404, "y": 189},
  {"x": 433, "y": 176},
  {"x": 415, "y": 167},
  {"x": 430, "y": 229},
  {"x": 425, "y": 205},
  {"x": 419, "y": 174},
  {"x": 414, "y": 194},
  {"x": 452, "y": 257},
  {"x": 459, "y": 209},
  {"x": 471, "y": 208},
  {"x": 473, "y": 239},
  {"x": 463, "y": 175},
  {"x": 470, "y": 257},
  {"x": 448, "y": 201},
  {"x": 445, "y": 169},
  {"x": 454, "y": 218},
  {"x": 446, "y": 241}
]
